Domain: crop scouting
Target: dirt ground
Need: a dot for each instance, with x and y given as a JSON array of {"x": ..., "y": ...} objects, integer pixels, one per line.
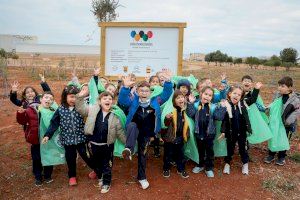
[{"x": 263, "y": 182}]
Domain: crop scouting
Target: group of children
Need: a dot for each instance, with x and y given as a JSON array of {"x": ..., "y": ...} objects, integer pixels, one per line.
[{"x": 99, "y": 120}]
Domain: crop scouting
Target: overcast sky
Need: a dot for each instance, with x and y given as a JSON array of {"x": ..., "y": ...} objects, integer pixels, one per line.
[{"x": 237, "y": 27}]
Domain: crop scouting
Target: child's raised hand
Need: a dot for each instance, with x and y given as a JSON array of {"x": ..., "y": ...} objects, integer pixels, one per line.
[
  {"x": 258, "y": 85},
  {"x": 42, "y": 77},
  {"x": 222, "y": 136},
  {"x": 127, "y": 81},
  {"x": 74, "y": 72},
  {"x": 45, "y": 140},
  {"x": 223, "y": 76},
  {"x": 167, "y": 74},
  {"x": 133, "y": 89},
  {"x": 15, "y": 86},
  {"x": 192, "y": 98},
  {"x": 169, "y": 116},
  {"x": 96, "y": 71},
  {"x": 21, "y": 110},
  {"x": 223, "y": 103},
  {"x": 84, "y": 92}
]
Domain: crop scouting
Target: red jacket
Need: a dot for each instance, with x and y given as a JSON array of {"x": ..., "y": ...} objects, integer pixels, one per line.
[{"x": 30, "y": 120}]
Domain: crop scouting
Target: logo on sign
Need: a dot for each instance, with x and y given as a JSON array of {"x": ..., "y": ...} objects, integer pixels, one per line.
[{"x": 141, "y": 35}]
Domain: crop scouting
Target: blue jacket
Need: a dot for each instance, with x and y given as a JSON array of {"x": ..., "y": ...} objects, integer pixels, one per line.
[
  {"x": 219, "y": 95},
  {"x": 216, "y": 113},
  {"x": 133, "y": 103}
]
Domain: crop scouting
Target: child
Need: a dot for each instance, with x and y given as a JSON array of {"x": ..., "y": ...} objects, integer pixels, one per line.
[
  {"x": 29, "y": 94},
  {"x": 247, "y": 82},
  {"x": 290, "y": 112},
  {"x": 154, "y": 83},
  {"x": 218, "y": 95},
  {"x": 103, "y": 80},
  {"x": 205, "y": 129},
  {"x": 184, "y": 86},
  {"x": 235, "y": 125},
  {"x": 72, "y": 135},
  {"x": 102, "y": 128},
  {"x": 30, "y": 118},
  {"x": 53, "y": 152},
  {"x": 143, "y": 120},
  {"x": 175, "y": 136},
  {"x": 111, "y": 88}
]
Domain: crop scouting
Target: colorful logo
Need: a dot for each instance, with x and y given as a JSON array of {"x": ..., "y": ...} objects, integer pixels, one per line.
[{"x": 141, "y": 35}]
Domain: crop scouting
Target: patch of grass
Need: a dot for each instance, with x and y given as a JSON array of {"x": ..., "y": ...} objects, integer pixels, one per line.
[
  {"x": 269, "y": 184},
  {"x": 287, "y": 186},
  {"x": 283, "y": 187}
]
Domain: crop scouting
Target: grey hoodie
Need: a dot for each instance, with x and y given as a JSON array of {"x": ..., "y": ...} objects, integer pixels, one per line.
[{"x": 293, "y": 100}]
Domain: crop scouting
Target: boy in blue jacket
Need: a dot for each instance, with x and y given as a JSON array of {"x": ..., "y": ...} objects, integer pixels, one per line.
[{"x": 143, "y": 119}]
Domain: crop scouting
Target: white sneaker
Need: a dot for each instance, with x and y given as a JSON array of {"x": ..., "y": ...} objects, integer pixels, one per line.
[
  {"x": 209, "y": 174},
  {"x": 144, "y": 183},
  {"x": 105, "y": 189},
  {"x": 100, "y": 182},
  {"x": 245, "y": 169},
  {"x": 197, "y": 170},
  {"x": 226, "y": 169}
]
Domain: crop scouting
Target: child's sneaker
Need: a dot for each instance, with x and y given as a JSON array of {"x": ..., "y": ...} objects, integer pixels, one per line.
[
  {"x": 144, "y": 183},
  {"x": 92, "y": 175},
  {"x": 280, "y": 161},
  {"x": 183, "y": 174},
  {"x": 245, "y": 169},
  {"x": 105, "y": 189},
  {"x": 48, "y": 180},
  {"x": 197, "y": 170},
  {"x": 269, "y": 159},
  {"x": 127, "y": 154},
  {"x": 166, "y": 173},
  {"x": 226, "y": 169},
  {"x": 72, "y": 181},
  {"x": 38, "y": 183},
  {"x": 100, "y": 182},
  {"x": 209, "y": 174}
]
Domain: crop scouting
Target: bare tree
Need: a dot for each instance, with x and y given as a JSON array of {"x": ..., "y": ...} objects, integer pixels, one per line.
[{"x": 105, "y": 10}]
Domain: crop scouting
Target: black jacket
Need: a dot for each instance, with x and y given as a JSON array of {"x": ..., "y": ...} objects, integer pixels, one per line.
[
  {"x": 243, "y": 122},
  {"x": 251, "y": 97}
]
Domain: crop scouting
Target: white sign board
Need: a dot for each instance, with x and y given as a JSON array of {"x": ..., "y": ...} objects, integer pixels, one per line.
[{"x": 140, "y": 50}]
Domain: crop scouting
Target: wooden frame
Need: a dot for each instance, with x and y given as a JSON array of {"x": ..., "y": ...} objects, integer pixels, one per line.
[{"x": 104, "y": 25}]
